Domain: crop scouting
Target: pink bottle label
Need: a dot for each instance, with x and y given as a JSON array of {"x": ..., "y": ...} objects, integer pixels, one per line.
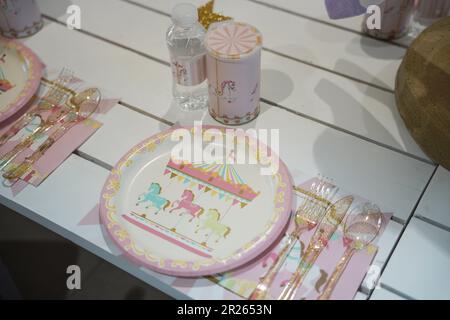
[{"x": 189, "y": 72}]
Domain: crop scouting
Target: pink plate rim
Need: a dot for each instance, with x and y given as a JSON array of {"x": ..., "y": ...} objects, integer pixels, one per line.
[
  {"x": 34, "y": 78},
  {"x": 255, "y": 251}
]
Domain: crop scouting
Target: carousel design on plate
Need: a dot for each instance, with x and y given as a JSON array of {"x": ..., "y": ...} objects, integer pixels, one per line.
[
  {"x": 5, "y": 84},
  {"x": 190, "y": 219},
  {"x": 153, "y": 198},
  {"x": 186, "y": 204},
  {"x": 20, "y": 76},
  {"x": 221, "y": 182}
]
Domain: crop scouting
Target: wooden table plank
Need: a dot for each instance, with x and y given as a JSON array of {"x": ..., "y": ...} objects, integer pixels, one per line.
[
  {"x": 420, "y": 263},
  {"x": 342, "y": 103},
  {"x": 122, "y": 129},
  {"x": 336, "y": 49},
  {"x": 316, "y": 10},
  {"x": 312, "y": 147},
  {"x": 136, "y": 79},
  {"x": 360, "y": 109},
  {"x": 397, "y": 181},
  {"x": 435, "y": 204}
]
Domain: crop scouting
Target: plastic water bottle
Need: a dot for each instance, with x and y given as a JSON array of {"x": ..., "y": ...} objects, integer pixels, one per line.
[{"x": 185, "y": 40}]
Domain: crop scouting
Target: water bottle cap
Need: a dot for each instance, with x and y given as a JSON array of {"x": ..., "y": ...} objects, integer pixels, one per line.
[{"x": 185, "y": 14}]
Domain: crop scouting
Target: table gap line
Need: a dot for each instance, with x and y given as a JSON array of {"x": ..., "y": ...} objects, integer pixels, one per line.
[
  {"x": 433, "y": 222},
  {"x": 98, "y": 37},
  {"x": 305, "y": 62},
  {"x": 88, "y": 33},
  {"x": 330, "y": 125},
  {"x": 395, "y": 291},
  {"x": 93, "y": 160},
  {"x": 143, "y": 6},
  {"x": 145, "y": 113},
  {"x": 405, "y": 226},
  {"x": 330, "y": 24},
  {"x": 337, "y": 73},
  {"x": 398, "y": 220}
]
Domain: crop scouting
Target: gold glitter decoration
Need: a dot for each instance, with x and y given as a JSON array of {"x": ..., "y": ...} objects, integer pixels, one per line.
[{"x": 206, "y": 15}]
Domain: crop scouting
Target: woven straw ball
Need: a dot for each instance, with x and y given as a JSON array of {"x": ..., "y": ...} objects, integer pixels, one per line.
[{"x": 423, "y": 91}]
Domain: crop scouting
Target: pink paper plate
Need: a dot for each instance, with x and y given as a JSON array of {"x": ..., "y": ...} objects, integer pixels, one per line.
[
  {"x": 20, "y": 76},
  {"x": 194, "y": 218}
]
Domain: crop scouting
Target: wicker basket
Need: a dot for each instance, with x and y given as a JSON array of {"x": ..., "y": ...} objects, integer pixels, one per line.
[{"x": 423, "y": 91}]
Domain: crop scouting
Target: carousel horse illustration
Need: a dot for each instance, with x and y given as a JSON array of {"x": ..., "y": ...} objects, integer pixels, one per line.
[
  {"x": 5, "y": 85},
  {"x": 227, "y": 90},
  {"x": 187, "y": 204},
  {"x": 212, "y": 224},
  {"x": 153, "y": 197}
]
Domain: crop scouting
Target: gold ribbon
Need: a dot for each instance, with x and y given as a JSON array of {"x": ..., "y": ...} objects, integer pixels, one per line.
[{"x": 207, "y": 16}]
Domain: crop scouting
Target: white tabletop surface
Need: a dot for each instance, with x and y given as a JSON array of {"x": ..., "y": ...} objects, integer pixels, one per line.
[{"x": 328, "y": 88}]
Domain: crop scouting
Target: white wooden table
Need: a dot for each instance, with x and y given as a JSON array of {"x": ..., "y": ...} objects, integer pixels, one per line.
[{"x": 328, "y": 89}]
